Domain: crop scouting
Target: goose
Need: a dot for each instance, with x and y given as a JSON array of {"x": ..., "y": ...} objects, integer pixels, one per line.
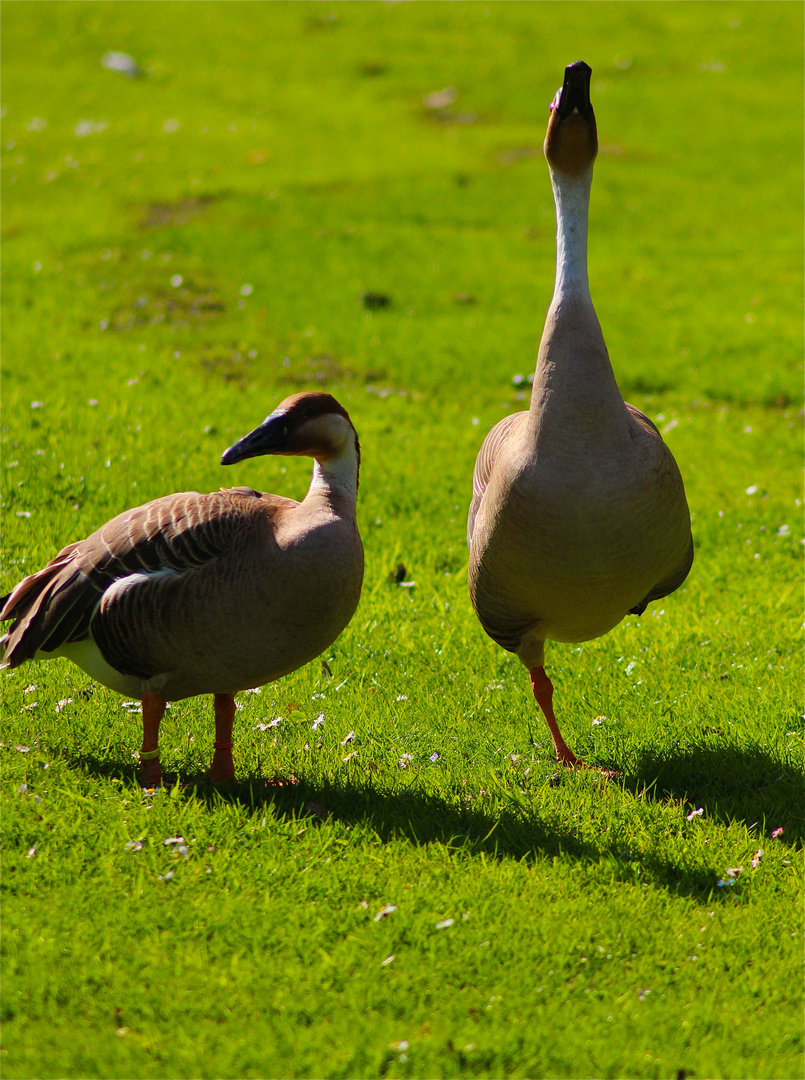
[
  {"x": 578, "y": 513},
  {"x": 207, "y": 593}
]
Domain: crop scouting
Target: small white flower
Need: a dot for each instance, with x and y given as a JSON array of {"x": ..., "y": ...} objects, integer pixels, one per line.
[
  {"x": 388, "y": 909},
  {"x": 403, "y": 762},
  {"x": 444, "y": 924},
  {"x": 695, "y": 813},
  {"x": 348, "y": 738}
]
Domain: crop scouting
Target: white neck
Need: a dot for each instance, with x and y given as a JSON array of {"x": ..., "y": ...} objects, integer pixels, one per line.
[
  {"x": 336, "y": 478},
  {"x": 572, "y": 198}
]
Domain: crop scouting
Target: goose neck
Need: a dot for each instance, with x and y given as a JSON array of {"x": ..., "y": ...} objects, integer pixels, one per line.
[
  {"x": 336, "y": 478},
  {"x": 572, "y": 199}
]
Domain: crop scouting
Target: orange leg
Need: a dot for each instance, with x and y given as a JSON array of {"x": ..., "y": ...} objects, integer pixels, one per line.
[
  {"x": 222, "y": 769},
  {"x": 150, "y": 771},
  {"x": 543, "y": 692}
]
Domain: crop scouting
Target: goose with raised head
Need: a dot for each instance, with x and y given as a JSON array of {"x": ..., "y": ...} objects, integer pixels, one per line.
[
  {"x": 207, "y": 593},
  {"x": 578, "y": 514}
]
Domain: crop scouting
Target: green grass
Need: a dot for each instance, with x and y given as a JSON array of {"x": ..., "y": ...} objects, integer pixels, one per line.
[{"x": 286, "y": 147}]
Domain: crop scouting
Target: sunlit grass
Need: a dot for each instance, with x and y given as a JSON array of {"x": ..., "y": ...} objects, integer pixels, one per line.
[{"x": 168, "y": 277}]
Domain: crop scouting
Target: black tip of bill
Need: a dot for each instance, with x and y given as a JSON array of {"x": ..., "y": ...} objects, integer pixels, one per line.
[{"x": 575, "y": 90}]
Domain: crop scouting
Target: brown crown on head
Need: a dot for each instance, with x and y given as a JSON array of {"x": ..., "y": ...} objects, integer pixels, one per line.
[{"x": 571, "y": 142}]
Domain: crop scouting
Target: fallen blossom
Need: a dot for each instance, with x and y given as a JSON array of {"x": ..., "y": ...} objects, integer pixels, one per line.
[
  {"x": 384, "y": 911},
  {"x": 347, "y": 738},
  {"x": 317, "y": 723},
  {"x": 756, "y": 858},
  {"x": 31, "y": 852},
  {"x": 777, "y": 833},
  {"x": 444, "y": 924},
  {"x": 349, "y": 756},
  {"x": 134, "y": 845},
  {"x": 172, "y": 840},
  {"x": 403, "y": 762},
  {"x": 434, "y": 756},
  {"x": 165, "y": 877},
  {"x": 23, "y": 749},
  {"x": 695, "y": 813},
  {"x": 388, "y": 960},
  {"x": 60, "y": 704}
]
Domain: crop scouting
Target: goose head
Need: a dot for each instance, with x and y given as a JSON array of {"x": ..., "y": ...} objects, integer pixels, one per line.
[
  {"x": 312, "y": 424},
  {"x": 571, "y": 142}
]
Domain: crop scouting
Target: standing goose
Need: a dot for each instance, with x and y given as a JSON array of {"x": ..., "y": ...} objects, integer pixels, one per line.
[
  {"x": 207, "y": 594},
  {"x": 578, "y": 513}
]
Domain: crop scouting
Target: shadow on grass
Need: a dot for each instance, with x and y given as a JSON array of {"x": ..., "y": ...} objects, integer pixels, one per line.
[{"x": 732, "y": 785}]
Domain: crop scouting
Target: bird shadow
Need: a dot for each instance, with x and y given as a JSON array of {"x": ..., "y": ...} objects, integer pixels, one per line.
[{"x": 730, "y": 784}]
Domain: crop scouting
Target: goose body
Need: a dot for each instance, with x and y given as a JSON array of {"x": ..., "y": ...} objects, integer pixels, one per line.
[
  {"x": 578, "y": 514},
  {"x": 207, "y": 593}
]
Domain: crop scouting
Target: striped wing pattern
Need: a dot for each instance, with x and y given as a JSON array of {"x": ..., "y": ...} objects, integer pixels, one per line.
[
  {"x": 485, "y": 463},
  {"x": 149, "y": 544}
]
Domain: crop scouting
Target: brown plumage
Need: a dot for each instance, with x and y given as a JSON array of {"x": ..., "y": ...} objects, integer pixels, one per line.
[
  {"x": 578, "y": 513},
  {"x": 207, "y": 593}
]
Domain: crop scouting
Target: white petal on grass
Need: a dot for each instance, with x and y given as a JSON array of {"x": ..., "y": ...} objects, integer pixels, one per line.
[
  {"x": 348, "y": 738},
  {"x": 64, "y": 701},
  {"x": 434, "y": 756},
  {"x": 176, "y": 280},
  {"x": 403, "y": 762},
  {"x": 134, "y": 845},
  {"x": 31, "y": 852},
  {"x": 349, "y": 756},
  {"x": 695, "y": 813},
  {"x": 89, "y": 127},
  {"x": 400, "y": 1046},
  {"x": 784, "y": 530},
  {"x": 170, "y": 841},
  {"x": 387, "y": 961},
  {"x": 388, "y": 909},
  {"x": 751, "y": 490},
  {"x": 317, "y": 723},
  {"x": 165, "y": 877},
  {"x": 246, "y": 290},
  {"x": 756, "y": 858},
  {"x": 122, "y": 62},
  {"x": 444, "y": 924},
  {"x": 23, "y": 749}
]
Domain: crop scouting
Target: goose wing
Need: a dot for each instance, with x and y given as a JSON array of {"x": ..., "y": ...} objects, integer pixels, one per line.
[
  {"x": 485, "y": 463},
  {"x": 140, "y": 555},
  {"x": 672, "y": 581}
]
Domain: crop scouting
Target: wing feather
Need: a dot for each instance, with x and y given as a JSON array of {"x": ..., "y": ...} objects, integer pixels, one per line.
[
  {"x": 485, "y": 463},
  {"x": 153, "y": 545}
]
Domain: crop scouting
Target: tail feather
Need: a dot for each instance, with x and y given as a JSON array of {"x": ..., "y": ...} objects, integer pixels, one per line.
[{"x": 47, "y": 608}]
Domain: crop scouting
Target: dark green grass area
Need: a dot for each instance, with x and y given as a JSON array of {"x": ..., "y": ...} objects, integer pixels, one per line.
[{"x": 183, "y": 249}]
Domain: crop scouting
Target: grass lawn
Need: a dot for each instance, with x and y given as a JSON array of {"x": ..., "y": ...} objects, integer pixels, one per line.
[{"x": 427, "y": 897}]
